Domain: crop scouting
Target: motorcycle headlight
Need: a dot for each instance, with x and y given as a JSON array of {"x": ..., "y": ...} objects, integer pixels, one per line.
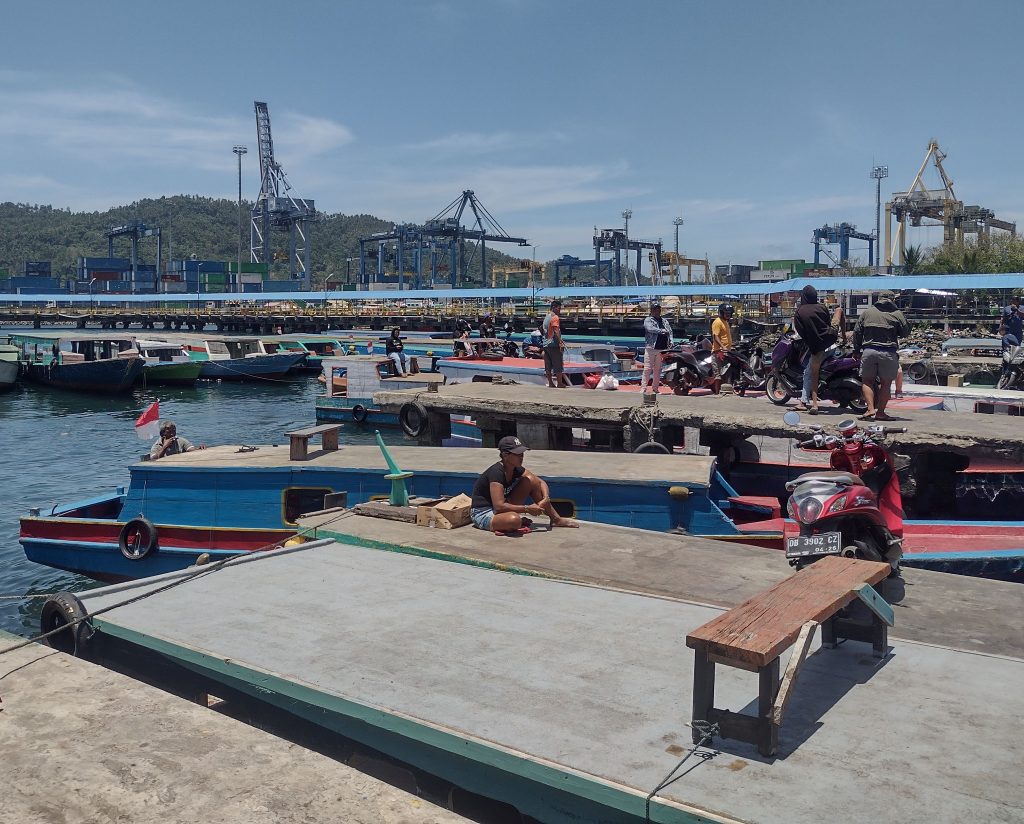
[
  {"x": 837, "y": 504},
  {"x": 810, "y": 509}
]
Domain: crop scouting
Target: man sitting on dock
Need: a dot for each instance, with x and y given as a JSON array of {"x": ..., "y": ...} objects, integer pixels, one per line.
[
  {"x": 501, "y": 492},
  {"x": 170, "y": 443}
]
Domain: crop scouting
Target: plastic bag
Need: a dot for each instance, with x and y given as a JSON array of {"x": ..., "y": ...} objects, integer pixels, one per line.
[{"x": 608, "y": 382}]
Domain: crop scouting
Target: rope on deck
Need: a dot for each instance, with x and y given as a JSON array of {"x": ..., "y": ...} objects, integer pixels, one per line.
[{"x": 708, "y": 731}]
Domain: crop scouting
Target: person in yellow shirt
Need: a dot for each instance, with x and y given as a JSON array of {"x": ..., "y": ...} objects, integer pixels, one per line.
[{"x": 721, "y": 340}]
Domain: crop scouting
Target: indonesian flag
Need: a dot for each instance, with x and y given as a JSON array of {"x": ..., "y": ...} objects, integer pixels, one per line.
[{"x": 148, "y": 424}]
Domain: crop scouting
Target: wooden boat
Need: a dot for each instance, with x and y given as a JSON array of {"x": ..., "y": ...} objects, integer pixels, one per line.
[
  {"x": 168, "y": 364},
  {"x": 314, "y": 347},
  {"x": 93, "y": 363},
  {"x": 240, "y": 359},
  {"x": 227, "y": 501},
  {"x": 10, "y": 363},
  {"x": 520, "y": 370}
]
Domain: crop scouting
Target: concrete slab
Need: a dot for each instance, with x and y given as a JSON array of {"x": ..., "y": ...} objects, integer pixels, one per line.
[
  {"x": 554, "y": 679},
  {"x": 83, "y": 744},
  {"x": 931, "y": 607},
  {"x": 930, "y": 430}
]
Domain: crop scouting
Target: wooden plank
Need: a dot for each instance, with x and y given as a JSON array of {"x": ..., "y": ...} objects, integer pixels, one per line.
[
  {"x": 382, "y": 509},
  {"x": 759, "y": 629},
  {"x": 803, "y": 644},
  {"x": 310, "y": 431}
]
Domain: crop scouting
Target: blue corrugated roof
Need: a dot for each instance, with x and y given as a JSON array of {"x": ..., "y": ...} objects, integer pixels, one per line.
[{"x": 825, "y": 284}]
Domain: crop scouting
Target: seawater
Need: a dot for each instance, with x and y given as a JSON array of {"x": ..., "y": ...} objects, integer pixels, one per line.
[{"x": 58, "y": 446}]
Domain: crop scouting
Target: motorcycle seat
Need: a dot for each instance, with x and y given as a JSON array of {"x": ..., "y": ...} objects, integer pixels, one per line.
[{"x": 829, "y": 476}]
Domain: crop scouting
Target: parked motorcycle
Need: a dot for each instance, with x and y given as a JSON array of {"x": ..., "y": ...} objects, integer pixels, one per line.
[
  {"x": 689, "y": 367},
  {"x": 854, "y": 508},
  {"x": 1012, "y": 374},
  {"x": 838, "y": 379}
]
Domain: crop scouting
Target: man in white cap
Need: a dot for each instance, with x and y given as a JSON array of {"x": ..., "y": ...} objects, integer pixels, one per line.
[{"x": 501, "y": 492}]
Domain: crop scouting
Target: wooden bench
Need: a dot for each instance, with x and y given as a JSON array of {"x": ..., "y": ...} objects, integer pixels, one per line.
[
  {"x": 299, "y": 440},
  {"x": 752, "y": 635}
]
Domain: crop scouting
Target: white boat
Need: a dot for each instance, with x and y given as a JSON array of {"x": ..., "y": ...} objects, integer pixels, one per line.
[{"x": 10, "y": 363}]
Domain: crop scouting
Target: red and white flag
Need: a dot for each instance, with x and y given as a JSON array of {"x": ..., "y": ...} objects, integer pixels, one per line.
[{"x": 148, "y": 424}]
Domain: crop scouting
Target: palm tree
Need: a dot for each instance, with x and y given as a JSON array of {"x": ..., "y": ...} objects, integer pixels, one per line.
[{"x": 912, "y": 258}]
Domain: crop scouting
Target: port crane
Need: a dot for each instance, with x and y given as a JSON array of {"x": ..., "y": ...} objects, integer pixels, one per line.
[
  {"x": 920, "y": 203},
  {"x": 442, "y": 232},
  {"x": 840, "y": 234},
  {"x": 277, "y": 208},
  {"x": 671, "y": 263},
  {"x": 136, "y": 230}
]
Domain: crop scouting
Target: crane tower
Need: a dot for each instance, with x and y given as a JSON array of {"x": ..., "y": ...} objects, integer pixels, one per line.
[{"x": 277, "y": 208}]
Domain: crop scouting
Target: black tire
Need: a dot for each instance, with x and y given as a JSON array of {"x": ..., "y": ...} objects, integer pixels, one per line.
[
  {"x": 652, "y": 448},
  {"x": 917, "y": 371},
  {"x": 855, "y": 403},
  {"x": 138, "y": 539},
  {"x": 1006, "y": 381},
  {"x": 62, "y": 610},
  {"x": 775, "y": 391},
  {"x": 359, "y": 413},
  {"x": 412, "y": 417}
]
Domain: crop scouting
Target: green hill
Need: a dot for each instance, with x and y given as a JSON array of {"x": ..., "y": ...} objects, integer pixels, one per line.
[{"x": 203, "y": 226}]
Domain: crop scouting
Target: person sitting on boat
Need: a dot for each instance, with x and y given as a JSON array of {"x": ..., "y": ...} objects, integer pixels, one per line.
[
  {"x": 501, "y": 492},
  {"x": 461, "y": 347},
  {"x": 170, "y": 443},
  {"x": 487, "y": 326},
  {"x": 394, "y": 347}
]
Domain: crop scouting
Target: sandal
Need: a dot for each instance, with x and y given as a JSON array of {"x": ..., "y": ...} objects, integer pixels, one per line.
[
  {"x": 870, "y": 416},
  {"x": 801, "y": 407},
  {"x": 812, "y": 410}
]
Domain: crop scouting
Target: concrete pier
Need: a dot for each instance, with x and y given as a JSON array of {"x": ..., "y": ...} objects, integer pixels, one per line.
[{"x": 82, "y": 744}]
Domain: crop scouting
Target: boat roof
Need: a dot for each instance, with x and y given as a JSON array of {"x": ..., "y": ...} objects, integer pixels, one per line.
[
  {"x": 692, "y": 470},
  {"x": 516, "y": 364},
  {"x": 158, "y": 344},
  {"x": 71, "y": 336}
]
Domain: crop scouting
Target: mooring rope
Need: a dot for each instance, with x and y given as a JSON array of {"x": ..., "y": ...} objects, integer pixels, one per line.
[{"x": 708, "y": 730}]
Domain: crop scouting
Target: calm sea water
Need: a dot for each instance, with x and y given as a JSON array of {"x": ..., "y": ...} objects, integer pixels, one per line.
[{"x": 58, "y": 446}]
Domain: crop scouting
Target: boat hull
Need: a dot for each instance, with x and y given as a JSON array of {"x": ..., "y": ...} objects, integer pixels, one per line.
[
  {"x": 9, "y": 372},
  {"x": 114, "y": 375},
  {"x": 245, "y": 369},
  {"x": 172, "y": 374}
]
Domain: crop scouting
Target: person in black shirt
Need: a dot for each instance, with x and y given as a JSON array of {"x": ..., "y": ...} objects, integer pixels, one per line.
[
  {"x": 487, "y": 326},
  {"x": 501, "y": 492},
  {"x": 814, "y": 326},
  {"x": 393, "y": 347}
]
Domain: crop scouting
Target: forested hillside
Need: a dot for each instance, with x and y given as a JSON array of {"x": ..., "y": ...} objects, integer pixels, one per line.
[{"x": 203, "y": 226}]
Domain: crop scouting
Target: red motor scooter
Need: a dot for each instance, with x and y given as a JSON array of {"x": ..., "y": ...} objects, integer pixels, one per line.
[{"x": 854, "y": 508}]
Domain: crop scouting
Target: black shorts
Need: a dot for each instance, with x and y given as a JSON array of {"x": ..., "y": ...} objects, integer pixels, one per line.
[{"x": 553, "y": 360}]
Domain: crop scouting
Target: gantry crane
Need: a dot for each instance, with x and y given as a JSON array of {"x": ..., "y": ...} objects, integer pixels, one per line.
[
  {"x": 941, "y": 205},
  {"x": 840, "y": 234},
  {"x": 136, "y": 229},
  {"x": 445, "y": 229},
  {"x": 670, "y": 263},
  {"x": 276, "y": 208}
]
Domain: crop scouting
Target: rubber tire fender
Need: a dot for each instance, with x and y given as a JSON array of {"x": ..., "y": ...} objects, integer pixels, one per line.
[
  {"x": 60, "y": 610},
  {"x": 412, "y": 417},
  {"x": 652, "y": 448},
  {"x": 359, "y": 413},
  {"x": 147, "y": 539},
  {"x": 917, "y": 371}
]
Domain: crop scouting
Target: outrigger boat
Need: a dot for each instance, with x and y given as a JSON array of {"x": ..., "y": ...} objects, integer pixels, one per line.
[
  {"x": 168, "y": 364},
  {"x": 10, "y": 363},
  {"x": 241, "y": 358},
  {"x": 94, "y": 363},
  {"x": 315, "y": 349}
]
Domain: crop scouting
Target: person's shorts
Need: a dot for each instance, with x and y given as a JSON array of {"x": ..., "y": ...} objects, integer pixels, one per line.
[
  {"x": 553, "y": 359},
  {"x": 879, "y": 364},
  {"x": 481, "y": 516}
]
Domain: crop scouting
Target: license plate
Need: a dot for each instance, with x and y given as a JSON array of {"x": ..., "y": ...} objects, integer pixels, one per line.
[{"x": 827, "y": 543}]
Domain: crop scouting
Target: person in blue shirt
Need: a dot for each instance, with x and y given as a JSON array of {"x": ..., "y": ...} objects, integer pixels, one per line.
[{"x": 1011, "y": 325}]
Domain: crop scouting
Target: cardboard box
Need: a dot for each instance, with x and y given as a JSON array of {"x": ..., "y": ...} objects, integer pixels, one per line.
[
  {"x": 447, "y": 514},
  {"x": 955, "y": 380}
]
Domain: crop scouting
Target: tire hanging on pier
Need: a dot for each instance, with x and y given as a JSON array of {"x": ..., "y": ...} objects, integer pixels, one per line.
[
  {"x": 138, "y": 539},
  {"x": 413, "y": 419},
  {"x": 652, "y": 448},
  {"x": 359, "y": 413},
  {"x": 63, "y": 609}
]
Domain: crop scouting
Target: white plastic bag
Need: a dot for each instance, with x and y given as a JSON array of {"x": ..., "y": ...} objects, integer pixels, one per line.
[{"x": 608, "y": 382}]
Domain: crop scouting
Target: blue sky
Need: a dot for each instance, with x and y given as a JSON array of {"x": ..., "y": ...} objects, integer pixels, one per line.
[{"x": 754, "y": 121}]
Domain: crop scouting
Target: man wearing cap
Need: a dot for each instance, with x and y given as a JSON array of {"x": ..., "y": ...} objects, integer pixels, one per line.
[
  {"x": 657, "y": 338},
  {"x": 875, "y": 340},
  {"x": 501, "y": 492},
  {"x": 554, "y": 348},
  {"x": 170, "y": 443}
]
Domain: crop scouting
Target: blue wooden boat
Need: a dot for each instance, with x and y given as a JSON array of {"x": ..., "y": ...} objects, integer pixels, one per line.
[
  {"x": 315, "y": 348},
  {"x": 87, "y": 363},
  {"x": 226, "y": 501},
  {"x": 241, "y": 358}
]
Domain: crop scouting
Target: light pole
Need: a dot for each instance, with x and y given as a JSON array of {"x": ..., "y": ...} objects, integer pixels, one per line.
[
  {"x": 677, "y": 223},
  {"x": 348, "y": 269},
  {"x": 326, "y": 281},
  {"x": 878, "y": 173},
  {"x": 626, "y": 216},
  {"x": 199, "y": 285},
  {"x": 91, "y": 305},
  {"x": 239, "y": 151}
]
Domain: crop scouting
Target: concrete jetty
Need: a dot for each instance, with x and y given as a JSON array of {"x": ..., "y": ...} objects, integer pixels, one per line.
[
  {"x": 84, "y": 744},
  {"x": 570, "y": 702}
]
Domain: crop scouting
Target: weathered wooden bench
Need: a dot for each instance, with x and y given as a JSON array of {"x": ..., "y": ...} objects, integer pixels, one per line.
[
  {"x": 752, "y": 635},
  {"x": 299, "y": 439}
]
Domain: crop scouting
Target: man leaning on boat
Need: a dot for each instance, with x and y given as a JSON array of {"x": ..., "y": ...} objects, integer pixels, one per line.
[{"x": 170, "y": 443}]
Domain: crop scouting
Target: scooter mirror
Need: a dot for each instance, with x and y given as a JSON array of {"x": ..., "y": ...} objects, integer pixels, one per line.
[{"x": 791, "y": 418}]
